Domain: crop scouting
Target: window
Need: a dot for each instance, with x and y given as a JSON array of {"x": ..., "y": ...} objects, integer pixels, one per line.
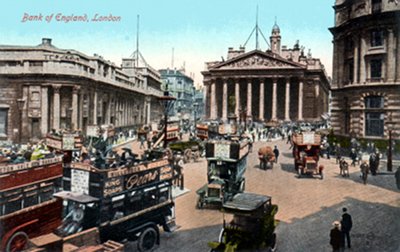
[
  {"x": 374, "y": 102},
  {"x": 376, "y": 38},
  {"x": 350, "y": 71},
  {"x": 376, "y": 6},
  {"x": 374, "y": 118},
  {"x": 376, "y": 68},
  {"x": 3, "y": 121}
]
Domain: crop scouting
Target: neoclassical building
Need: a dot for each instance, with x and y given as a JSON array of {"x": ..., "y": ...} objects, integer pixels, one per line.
[
  {"x": 366, "y": 68},
  {"x": 43, "y": 87},
  {"x": 281, "y": 84}
]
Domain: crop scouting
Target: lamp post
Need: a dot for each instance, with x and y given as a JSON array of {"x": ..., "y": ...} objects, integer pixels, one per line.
[
  {"x": 390, "y": 126},
  {"x": 167, "y": 101},
  {"x": 20, "y": 104}
]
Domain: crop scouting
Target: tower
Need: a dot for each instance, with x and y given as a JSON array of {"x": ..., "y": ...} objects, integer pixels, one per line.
[{"x": 275, "y": 39}]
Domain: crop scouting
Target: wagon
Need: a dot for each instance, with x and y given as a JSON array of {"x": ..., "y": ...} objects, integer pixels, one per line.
[{"x": 190, "y": 149}]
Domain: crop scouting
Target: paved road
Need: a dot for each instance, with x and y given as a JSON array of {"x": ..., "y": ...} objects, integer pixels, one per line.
[{"x": 307, "y": 207}]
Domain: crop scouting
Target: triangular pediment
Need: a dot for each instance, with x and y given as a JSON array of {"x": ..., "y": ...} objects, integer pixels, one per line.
[{"x": 256, "y": 60}]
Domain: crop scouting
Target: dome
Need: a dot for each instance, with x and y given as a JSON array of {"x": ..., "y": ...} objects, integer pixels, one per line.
[{"x": 275, "y": 29}]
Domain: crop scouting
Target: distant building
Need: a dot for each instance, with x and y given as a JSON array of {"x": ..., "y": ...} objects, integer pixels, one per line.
[
  {"x": 281, "y": 84},
  {"x": 181, "y": 87},
  {"x": 198, "y": 104},
  {"x": 366, "y": 68},
  {"x": 59, "y": 88}
]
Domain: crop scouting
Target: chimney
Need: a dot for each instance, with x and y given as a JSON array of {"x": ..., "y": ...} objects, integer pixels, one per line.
[{"x": 46, "y": 41}]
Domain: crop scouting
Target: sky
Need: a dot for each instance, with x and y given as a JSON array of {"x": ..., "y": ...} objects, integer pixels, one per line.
[{"x": 189, "y": 32}]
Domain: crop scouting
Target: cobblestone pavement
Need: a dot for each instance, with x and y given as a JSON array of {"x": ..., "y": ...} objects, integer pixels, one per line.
[{"x": 307, "y": 207}]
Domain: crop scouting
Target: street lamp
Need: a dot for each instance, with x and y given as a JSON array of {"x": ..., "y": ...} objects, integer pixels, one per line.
[
  {"x": 167, "y": 102},
  {"x": 390, "y": 126},
  {"x": 20, "y": 104}
]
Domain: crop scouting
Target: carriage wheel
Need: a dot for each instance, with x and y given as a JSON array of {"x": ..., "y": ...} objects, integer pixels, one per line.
[
  {"x": 148, "y": 239},
  {"x": 17, "y": 242},
  {"x": 299, "y": 172}
]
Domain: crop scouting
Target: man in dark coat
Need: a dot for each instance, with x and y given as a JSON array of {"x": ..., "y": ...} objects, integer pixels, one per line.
[
  {"x": 347, "y": 224},
  {"x": 336, "y": 236},
  {"x": 276, "y": 152}
]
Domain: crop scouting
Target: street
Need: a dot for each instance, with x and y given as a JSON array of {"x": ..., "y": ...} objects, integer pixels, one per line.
[{"x": 307, "y": 207}]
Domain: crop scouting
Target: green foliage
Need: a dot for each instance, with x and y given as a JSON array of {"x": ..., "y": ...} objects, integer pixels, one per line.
[{"x": 381, "y": 144}]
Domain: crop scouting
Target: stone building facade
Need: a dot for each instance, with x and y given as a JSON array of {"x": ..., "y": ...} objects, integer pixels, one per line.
[
  {"x": 366, "y": 68},
  {"x": 180, "y": 85},
  {"x": 44, "y": 87},
  {"x": 281, "y": 84}
]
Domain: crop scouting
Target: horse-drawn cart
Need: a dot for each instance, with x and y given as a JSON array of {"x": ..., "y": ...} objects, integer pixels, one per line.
[{"x": 266, "y": 157}]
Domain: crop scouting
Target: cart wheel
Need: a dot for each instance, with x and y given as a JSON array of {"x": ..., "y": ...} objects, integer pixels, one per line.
[
  {"x": 273, "y": 242},
  {"x": 321, "y": 174},
  {"x": 148, "y": 239},
  {"x": 17, "y": 242},
  {"x": 261, "y": 164},
  {"x": 242, "y": 186}
]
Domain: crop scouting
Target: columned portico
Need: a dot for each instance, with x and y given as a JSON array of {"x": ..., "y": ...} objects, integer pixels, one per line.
[{"x": 266, "y": 88}]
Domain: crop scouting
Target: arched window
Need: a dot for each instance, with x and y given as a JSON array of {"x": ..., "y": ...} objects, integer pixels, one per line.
[{"x": 374, "y": 116}]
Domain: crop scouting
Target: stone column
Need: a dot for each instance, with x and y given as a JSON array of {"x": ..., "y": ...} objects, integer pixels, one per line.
[
  {"x": 355, "y": 62},
  {"x": 362, "y": 60},
  {"x": 44, "y": 111},
  {"x": 287, "y": 100},
  {"x": 148, "y": 111},
  {"x": 261, "y": 109},
  {"x": 397, "y": 63},
  {"x": 300, "y": 110},
  {"x": 206, "y": 101},
  {"x": 274, "y": 99},
  {"x": 237, "y": 98},
  {"x": 213, "y": 105},
  {"x": 74, "y": 119},
  {"x": 391, "y": 59},
  {"x": 80, "y": 114},
  {"x": 225, "y": 100},
  {"x": 56, "y": 107},
  {"x": 95, "y": 108},
  {"x": 249, "y": 112}
]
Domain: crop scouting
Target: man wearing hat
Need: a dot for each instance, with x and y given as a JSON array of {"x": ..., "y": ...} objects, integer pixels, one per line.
[
  {"x": 346, "y": 224},
  {"x": 336, "y": 236}
]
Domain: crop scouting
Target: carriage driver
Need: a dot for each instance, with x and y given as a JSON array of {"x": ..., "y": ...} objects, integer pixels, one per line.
[{"x": 73, "y": 220}]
